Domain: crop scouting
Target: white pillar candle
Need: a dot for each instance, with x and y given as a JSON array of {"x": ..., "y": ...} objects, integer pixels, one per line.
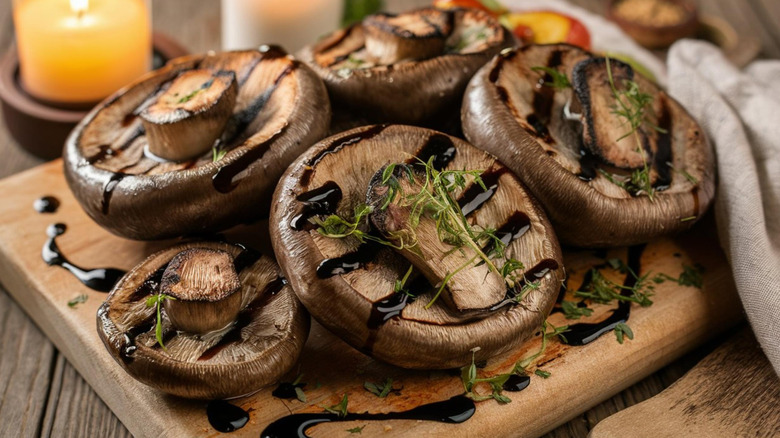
[{"x": 291, "y": 24}]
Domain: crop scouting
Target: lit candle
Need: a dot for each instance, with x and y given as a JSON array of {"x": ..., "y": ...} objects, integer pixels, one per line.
[
  {"x": 291, "y": 24},
  {"x": 80, "y": 51}
]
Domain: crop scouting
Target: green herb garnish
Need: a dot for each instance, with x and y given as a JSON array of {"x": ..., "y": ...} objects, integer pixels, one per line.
[
  {"x": 79, "y": 299},
  {"x": 690, "y": 276},
  {"x": 622, "y": 329},
  {"x": 470, "y": 380},
  {"x": 432, "y": 198},
  {"x": 217, "y": 153},
  {"x": 571, "y": 310},
  {"x": 521, "y": 365},
  {"x": 339, "y": 409},
  {"x": 380, "y": 391},
  {"x": 559, "y": 80},
  {"x": 542, "y": 374},
  {"x": 634, "y": 107},
  {"x": 157, "y": 300},
  {"x": 358, "y": 429}
]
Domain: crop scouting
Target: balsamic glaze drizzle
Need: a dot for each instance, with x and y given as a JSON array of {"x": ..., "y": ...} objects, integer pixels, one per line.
[
  {"x": 543, "y": 99},
  {"x": 226, "y": 417},
  {"x": 336, "y": 145},
  {"x": 585, "y": 333},
  {"x": 439, "y": 147},
  {"x": 98, "y": 279},
  {"x": 46, "y": 204},
  {"x": 516, "y": 383},
  {"x": 475, "y": 197},
  {"x": 286, "y": 390},
  {"x": 108, "y": 190},
  {"x": 350, "y": 261},
  {"x": 456, "y": 410},
  {"x": 517, "y": 225},
  {"x": 320, "y": 201}
]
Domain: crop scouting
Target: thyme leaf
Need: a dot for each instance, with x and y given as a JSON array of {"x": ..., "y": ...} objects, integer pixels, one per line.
[
  {"x": 571, "y": 310},
  {"x": 380, "y": 391},
  {"x": 79, "y": 299},
  {"x": 339, "y": 409},
  {"x": 622, "y": 329},
  {"x": 559, "y": 80},
  {"x": 157, "y": 300}
]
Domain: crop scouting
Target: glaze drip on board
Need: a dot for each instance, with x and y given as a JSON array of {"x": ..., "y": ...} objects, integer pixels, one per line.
[
  {"x": 455, "y": 410},
  {"x": 226, "y": 417},
  {"x": 98, "y": 279},
  {"x": 46, "y": 204},
  {"x": 585, "y": 333}
]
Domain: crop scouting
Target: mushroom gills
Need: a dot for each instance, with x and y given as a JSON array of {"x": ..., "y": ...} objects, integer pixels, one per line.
[
  {"x": 416, "y": 36},
  {"x": 205, "y": 288},
  {"x": 607, "y": 131},
  {"x": 190, "y": 115},
  {"x": 468, "y": 284}
]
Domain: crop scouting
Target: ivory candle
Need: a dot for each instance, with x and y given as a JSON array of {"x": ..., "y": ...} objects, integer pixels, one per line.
[
  {"x": 80, "y": 51},
  {"x": 290, "y": 24}
]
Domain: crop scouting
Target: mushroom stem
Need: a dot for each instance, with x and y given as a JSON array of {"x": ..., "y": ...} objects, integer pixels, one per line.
[
  {"x": 190, "y": 115},
  {"x": 420, "y": 35},
  {"x": 205, "y": 286},
  {"x": 465, "y": 283}
]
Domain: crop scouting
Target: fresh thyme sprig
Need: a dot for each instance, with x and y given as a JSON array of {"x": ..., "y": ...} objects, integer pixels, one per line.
[
  {"x": 400, "y": 285},
  {"x": 378, "y": 390},
  {"x": 571, "y": 310},
  {"x": 339, "y": 409},
  {"x": 521, "y": 365},
  {"x": 157, "y": 300},
  {"x": 470, "y": 379},
  {"x": 690, "y": 276},
  {"x": 605, "y": 291},
  {"x": 634, "y": 107},
  {"x": 432, "y": 198},
  {"x": 559, "y": 80}
]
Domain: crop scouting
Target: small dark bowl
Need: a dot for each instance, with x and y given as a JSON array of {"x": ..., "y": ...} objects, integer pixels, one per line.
[{"x": 661, "y": 36}]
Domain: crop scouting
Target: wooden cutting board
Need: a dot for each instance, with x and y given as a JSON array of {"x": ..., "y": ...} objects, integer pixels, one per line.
[{"x": 681, "y": 318}]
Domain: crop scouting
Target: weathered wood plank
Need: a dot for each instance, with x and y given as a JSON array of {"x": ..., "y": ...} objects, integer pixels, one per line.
[
  {"x": 75, "y": 410},
  {"x": 742, "y": 403},
  {"x": 26, "y": 360}
]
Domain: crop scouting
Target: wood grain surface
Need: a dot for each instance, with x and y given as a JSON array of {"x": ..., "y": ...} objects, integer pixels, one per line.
[
  {"x": 42, "y": 394},
  {"x": 680, "y": 318},
  {"x": 693, "y": 406}
]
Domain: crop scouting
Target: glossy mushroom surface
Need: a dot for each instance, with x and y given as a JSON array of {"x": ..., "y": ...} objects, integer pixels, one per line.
[
  {"x": 259, "y": 346},
  {"x": 579, "y": 157},
  {"x": 349, "y": 287},
  {"x": 406, "y": 68},
  {"x": 280, "y": 108}
]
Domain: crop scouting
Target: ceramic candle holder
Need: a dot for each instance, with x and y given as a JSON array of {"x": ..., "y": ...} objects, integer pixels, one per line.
[{"x": 41, "y": 128}]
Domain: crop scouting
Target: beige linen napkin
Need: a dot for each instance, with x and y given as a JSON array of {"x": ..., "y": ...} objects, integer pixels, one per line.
[{"x": 740, "y": 111}]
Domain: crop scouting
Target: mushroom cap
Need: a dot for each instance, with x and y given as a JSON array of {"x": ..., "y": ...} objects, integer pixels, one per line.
[
  {"x": 508, "y": 112},
  {"x": 408, "y": 90},
  {"x": 282, "y": 108},
  {"x": 261, "y": 346},
  {"x": 349, "y": 288}
]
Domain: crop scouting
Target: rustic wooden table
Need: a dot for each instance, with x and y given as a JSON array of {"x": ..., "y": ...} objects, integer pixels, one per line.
[{"x": 42, "y": 394}]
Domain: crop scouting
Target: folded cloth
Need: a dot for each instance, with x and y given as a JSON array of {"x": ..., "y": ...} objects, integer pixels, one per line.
[{"x": 740, "y": 111}]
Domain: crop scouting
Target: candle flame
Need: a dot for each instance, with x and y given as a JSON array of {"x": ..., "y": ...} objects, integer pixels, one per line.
[{"x": 79, "y": 6}]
